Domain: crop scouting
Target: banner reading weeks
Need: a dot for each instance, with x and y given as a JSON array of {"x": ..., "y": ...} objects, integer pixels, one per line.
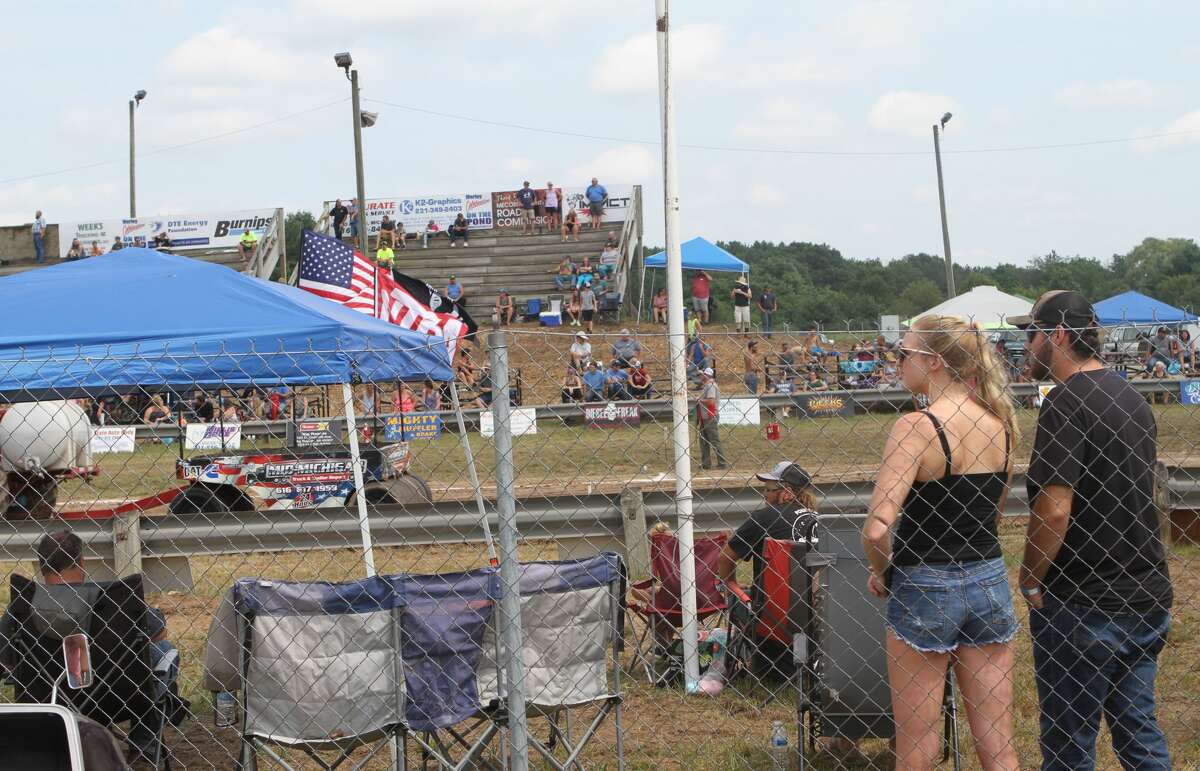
[{"x": 220, "y": 230}]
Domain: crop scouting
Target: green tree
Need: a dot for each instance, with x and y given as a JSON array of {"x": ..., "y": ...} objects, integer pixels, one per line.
[{"x": 293, "y": 225}]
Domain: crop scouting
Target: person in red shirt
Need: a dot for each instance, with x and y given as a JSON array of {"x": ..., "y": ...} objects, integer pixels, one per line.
[{"x": 701, "y": 292}]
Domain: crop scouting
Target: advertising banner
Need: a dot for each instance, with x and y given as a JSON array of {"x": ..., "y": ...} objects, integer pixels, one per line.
[
  {"x": 412, "y": 425},
  {"x": 1189, "y": 392},
  {"x": 824, "y": 405},
  {"x": 207, "y": 436},
  {"x": 523, "y": 420},
  {"x": 318, "y": 433},
  {"x": 507, "y": 210},
  {"x": 737, "y": 412},
  {"x": 416, "y": 212},
  {"x": 220, "y": 230},
  {"x": 113, "y": 439},
  {"x": 612, "y": 415}
]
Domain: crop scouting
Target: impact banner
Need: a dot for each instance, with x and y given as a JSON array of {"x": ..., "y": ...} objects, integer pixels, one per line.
[
  {"x": 507, "y": 210},
  {"x": 220, "y": 230}
]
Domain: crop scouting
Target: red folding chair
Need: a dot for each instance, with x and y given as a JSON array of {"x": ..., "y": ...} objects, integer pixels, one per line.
[{"x": 657, "y": 602}]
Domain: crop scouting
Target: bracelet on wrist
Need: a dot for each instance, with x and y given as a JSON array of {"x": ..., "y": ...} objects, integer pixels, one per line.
[{"x": 1030, "y": 591}]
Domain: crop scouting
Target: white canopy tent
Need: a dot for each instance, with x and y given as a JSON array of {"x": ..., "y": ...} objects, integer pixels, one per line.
[{"x": 986, "y": 305}]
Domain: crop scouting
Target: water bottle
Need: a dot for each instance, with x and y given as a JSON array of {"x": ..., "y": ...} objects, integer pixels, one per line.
[
  {"x": 779, "y": 747},
  {"x": 225, "y": 710}
]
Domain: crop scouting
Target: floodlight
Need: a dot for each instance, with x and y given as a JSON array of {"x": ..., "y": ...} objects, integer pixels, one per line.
[
  {"x": 343, "y": 60},
  {"x": 946, "y": 119},
  {"x": 139, "y": 95},
  {"x": 368, "y": 118}
]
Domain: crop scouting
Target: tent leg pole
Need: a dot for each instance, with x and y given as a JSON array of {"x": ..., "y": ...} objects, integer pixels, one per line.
[
  {"x": 360, "y": 495},
  {"x": 472, "y": 474}
]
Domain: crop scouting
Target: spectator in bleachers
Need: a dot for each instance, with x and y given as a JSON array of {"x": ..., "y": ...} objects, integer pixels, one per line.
[
  {"x": 574, "y": 307},
  {"x": 95, "y": 251},
  {"x": 768, "y": 306},
  {"x": 400, "y": 236},
  {"x": 387, "y": 233},
  {"x": 117, "y": 245},
  {"x": 526, "y": 197},
  {"x": 701, "y": 291},
  {"x": 75, "y": 251},
  {"x": 586, "y": 273},
  {"x": 431, "y": 398},
  {"x": 615, "y": 381},
  {"x": 581, "y": 351},
  {"x": 639, "y": 380},
  {"x": 39, "y": 236},
  {"x": 552, "y": 203},
  {"x": 455, "y": 292},
  {"x": 458, "y": 230},
  {"x": 572, "y": 386},
  {"x": 1187, "y": 351},
  {"x": 352, "y": 217},
  {"x": 385, "y": 257},
  {"x": 162, "y": 240},
  {"x": 593, "y": 383},
  {"x": 246, "y": 246},
  {"x": 659, "y": 304},
  {"x": 753, "y": 365},
  {"x": 626, "y": 348},
  {"x": 338, "y": 214},
  {"x": 202, "y": 408},
  {"x": 1161, "y": 346},
  {"x": 597, "y": 196},
  {"x": 157, "y": 412},
  {"x": 741, "y": 305},
  {"x": 609, "y": 259},
  {"x": 403, "y": 400},
  {"x": 564, "y": 274},
  {"x": 815, "y": 382},
  {"x": 431, "y": 231},
  {"x": 465, "y": 369},
  {"x": 232, "y": 412},
  {"x": 570, "y": 225},
  {"x": 587, "y": 306},
  {"x": 504, "y": 309},
  {"x": 812, "y": 345},
  {"x": 692, "y": 324}
]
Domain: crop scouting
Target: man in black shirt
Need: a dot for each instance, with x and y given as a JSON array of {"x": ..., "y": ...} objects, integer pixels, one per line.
[
  {"x": 1095, "y": 573},
  {"x": 339, "y": 212},
  {"x": 203, "y": 408}
]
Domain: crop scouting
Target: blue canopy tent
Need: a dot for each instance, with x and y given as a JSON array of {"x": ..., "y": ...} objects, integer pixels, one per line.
[
  {"x": 698, "y": 254},
  {"x": 1136, "y": 308},
  {"x": 139, "y": 317}
]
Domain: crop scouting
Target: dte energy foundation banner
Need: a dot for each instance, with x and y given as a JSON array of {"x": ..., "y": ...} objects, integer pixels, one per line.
[{"x": 220, "y": 230}]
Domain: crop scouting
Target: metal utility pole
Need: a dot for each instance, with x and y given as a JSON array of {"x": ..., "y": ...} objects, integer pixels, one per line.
[
  {"x": 676, "y": 344},
  {"x": 358, "y": 164},
  {"x": 133, "y": 105},
  {"x": 937, "y": 154}
]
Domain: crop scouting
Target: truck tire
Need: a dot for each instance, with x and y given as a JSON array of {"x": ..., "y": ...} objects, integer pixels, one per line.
[
  {"x": 205, "y": 499},
  {"x": 403, "y": 490}
]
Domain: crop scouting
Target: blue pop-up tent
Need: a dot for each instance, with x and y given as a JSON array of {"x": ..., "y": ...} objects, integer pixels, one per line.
[
  {"x": 1136, "y": 308},
  {"x": 139, "y": 317},
  {"x": 698, "y": 254}
]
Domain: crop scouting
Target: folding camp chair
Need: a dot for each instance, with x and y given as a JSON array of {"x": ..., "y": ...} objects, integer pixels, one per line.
[{"x": 661, "y": 610}]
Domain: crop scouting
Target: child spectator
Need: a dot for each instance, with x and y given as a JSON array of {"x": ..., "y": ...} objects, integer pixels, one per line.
[
  {"x": 587, "y": 305},
  {"x": 586, "y": 272},
  {"x": 95, "y": 250},
  {"x": 400, "y": 235}
]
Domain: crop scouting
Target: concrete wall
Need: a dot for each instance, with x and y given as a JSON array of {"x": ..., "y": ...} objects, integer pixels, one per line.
[{"x": 16, "y": 242}]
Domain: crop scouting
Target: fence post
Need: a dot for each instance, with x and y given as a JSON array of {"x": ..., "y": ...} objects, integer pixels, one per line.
[
  {"x": 633, "y": 520},
  {"x": 510, "y": 573},
  {"x": 127, "y": 544}
]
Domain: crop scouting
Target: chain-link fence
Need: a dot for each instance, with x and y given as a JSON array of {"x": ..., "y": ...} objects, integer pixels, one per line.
[{"x": 882, "y": 568}]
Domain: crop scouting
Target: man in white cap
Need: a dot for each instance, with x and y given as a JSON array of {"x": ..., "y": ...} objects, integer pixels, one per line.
[
  {"x": 741, "y": 305},
  {"x": 706, "y": 421},
  {"x": 581, "y": 352}
]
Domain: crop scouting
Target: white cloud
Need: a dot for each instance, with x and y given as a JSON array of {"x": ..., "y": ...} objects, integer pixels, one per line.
[
  {"x": 787, "y": 119},
  {"x": 519, "y": 165},
  {"x": 626, "y": 163},
  {"x": 221, "y": 57},
  {"x": 764, "y": 194},
  {"x": 632, "y": 65},
  {"x": 911, "y": 113},
  {"x": 1123, "y": 92},
  {"x": 1186, "y": 128}
]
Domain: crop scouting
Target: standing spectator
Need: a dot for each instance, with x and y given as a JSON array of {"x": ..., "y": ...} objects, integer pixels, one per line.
[
  {"x": 572, "y": 386},
  {"x": 39, "y": 236},
  {"x": 400, "y": 235},
  {"x": 431, "y": 398},
  {"x": 701, "y": 290},
  {"x": 352, "y": 216},
  {"x": 553, "y": 204},
  {"x": 455, "y": 293},
  {"x": 338, "y": 213},
  {"x": 593, "y": 383},
  {"x": 581, "y": 351},
  {"x": 639, "y": 380},
  {"x": 585, "y": 273},
  {"x": 768, "y": 306},
  {"x": 564, "y": 274},
  {"x": 526, "y": 197},
  {"x": 117, "y": 245},
  {"x": 431, "y": 231},
  {"x": 741, "y": 305},
  {"x": 95, "y": 251},
  {"x": 626, "y": 348},
  {"x": 403, "y": 401},
  {"x": 76, "y": 250},
  {"x": 610, "y": 257},
  {"x": 753, "y": 365},
  {"x": 366, "y": 402},
  {"x": 706, "y": 419},
  {"x": 1095, "y": 571},
  {"x": 385, "y": 257},
  {"x": 659, "y": 303},
  {"x": 574, "y": 307},
  {"x": 246, "y": 246},
  {"x": 504, "y": 308},
  {"x": 596, "y": 196},
  {"x": 587, "y": 306},
  {"x": 570, "y": 225},
  {"x": 812, "y": 346},
  {"x": 458, "y": 229},
  {"x": 615, "y": 381},
  {"x": 387, "y": 233}
]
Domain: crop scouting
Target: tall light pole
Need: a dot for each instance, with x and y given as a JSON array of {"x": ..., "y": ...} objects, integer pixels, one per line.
[
  {"x": 344, "y": 61},
  {"x": 937, "y": 154},
  {"x": 133, "y": 105}
]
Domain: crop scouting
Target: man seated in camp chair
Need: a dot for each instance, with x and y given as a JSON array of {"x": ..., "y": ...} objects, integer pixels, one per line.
[{"x": 59, "y": 606}]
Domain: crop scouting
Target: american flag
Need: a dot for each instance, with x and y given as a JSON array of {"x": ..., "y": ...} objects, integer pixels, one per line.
[{"x": 341, "y": 273}]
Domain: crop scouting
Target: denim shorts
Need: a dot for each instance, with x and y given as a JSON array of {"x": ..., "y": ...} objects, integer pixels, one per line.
[{"x": 936, "y": 608}]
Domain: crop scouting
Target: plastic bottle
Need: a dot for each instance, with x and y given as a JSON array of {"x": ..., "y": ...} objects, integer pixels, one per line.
[
  {"x": 779, "y": 747},
  {"x": 225, "y": 710}
]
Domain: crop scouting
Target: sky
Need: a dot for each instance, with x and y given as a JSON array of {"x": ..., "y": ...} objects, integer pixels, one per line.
[{"x": 796, "y": 121}]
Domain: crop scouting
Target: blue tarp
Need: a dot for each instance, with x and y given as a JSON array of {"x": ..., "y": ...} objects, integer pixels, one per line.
[
  {"x": 700, "y": 254},
  {"x": 138, "y": 317},
  {"x": 1136, "y": 308}
]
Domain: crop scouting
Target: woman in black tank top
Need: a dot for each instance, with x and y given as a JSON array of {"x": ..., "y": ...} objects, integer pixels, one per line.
[{"x": 942, "y": 484}]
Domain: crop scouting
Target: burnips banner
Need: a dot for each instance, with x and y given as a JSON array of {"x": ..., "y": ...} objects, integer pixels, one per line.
[
  {"x": 507, "y": 209},
  {"x": 611, "y": 415},
  {"x": 824, "y": 405},
  {"x": 191, "y": 231},
  {"x": 415, "y": 213}
]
